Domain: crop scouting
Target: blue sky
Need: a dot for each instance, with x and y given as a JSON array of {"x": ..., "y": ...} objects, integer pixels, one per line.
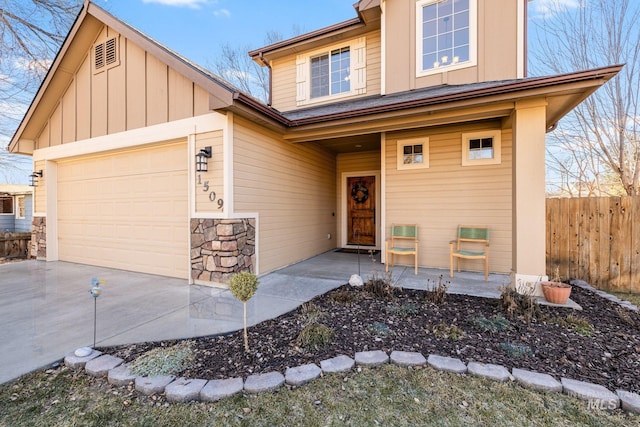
[{"x": 194, "y": 28}]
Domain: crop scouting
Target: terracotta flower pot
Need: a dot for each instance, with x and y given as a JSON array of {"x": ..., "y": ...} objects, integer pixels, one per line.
[{"x": 556, "y": 292}]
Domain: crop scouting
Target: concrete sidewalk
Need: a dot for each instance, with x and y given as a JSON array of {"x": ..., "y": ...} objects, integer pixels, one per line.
[{"x": 47, "y": 311}]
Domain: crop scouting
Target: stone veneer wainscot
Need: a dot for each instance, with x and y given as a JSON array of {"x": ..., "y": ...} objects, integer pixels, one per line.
[
  {"x": 222, "y": 247},
  {"x": 39, "y": 237}
]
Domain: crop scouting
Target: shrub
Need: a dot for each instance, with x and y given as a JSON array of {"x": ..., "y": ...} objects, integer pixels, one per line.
[
  {"x": 516, "y": 305},
  {"x": 453, "y": 332},
  {"x": 495, "y": 323},
  {"x": 379, "y": 329},
  {"x": 580, "y": 326},
  {"x": 315, "y": 336},
  {"x": 343, "y": 297},
  {"x": 437, "y": 293},
  {"x": 403, "y": 310},
  {"x": 380, "y": 287},
  {"x": 243, "y": 286},
  {"x": 516, "y": 350},
  {"x": 310, "y": 313},
  {"x": 164, "y": 360}
]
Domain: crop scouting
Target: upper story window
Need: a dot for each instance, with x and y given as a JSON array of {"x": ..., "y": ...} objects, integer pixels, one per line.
[
  {"x": 331, "y": 72},
  {"x": 446, "y": 31}
]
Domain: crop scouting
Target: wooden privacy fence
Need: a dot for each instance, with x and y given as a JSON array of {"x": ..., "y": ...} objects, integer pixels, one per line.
[
  {"x": 596, "y": 239},
  {"x": 14, "y": 245}
]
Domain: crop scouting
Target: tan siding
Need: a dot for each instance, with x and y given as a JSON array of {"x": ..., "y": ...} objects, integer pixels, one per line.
[
  {"x": 69, "y": 114},
  {"x": 291, "y": 187},
  {"x": 284, "y": 84},
  {"x": 136, "y": 86},
  {"x": 200, "y": 101},
  {"x": 352, "y": 162},
  {"x": 213, "y": 180},
  {"x": 43, "y": 138},
  {"x": 83, "y": 97},
  {"x": 284, "y": 76},
  {"x": 180, "y": 96},
  {"x": 116, "y": 101},
  {"x": 140, "y": 91},
  {"x": 99, "y": 111},
  {"x": 55, "y": 122},
  {"x": 40, "y": 196},
  {"x": 157, "y": 104},
  {"x": 447, "y": 194}
]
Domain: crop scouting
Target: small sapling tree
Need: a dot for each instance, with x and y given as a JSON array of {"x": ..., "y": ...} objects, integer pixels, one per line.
[{"x": 243, "y": 286}]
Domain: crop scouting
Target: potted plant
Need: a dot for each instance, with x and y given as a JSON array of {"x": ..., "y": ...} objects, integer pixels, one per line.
[{"x": 554, "y": 290}]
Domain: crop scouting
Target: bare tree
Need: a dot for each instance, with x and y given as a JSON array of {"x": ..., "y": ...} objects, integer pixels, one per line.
[
  {"x": 596, "y": 149},
  {"x": 31, "y": 32}
]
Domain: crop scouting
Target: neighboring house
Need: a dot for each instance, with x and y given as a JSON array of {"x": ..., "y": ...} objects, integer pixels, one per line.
[
  {"x": 16, "y": 202},
  {"x": 411, "y": 112}
]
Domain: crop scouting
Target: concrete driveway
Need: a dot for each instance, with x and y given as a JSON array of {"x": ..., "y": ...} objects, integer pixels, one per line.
[{"x": 47, "y": 312}]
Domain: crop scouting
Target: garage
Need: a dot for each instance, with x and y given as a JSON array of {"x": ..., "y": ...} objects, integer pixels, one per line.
[{"x": 126, "y": 210}]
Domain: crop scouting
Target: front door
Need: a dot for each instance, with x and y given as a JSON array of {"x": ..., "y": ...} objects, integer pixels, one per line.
[{"x": 361, "y": 211}]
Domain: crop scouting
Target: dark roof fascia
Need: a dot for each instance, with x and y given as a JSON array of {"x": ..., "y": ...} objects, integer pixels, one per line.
[
  {"x": 339, "y": 27},
  {"x": 498, "y": 89}
]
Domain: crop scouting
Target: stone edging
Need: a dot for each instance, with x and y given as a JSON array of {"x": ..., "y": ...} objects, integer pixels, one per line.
[{"x": 185, "y": 390}]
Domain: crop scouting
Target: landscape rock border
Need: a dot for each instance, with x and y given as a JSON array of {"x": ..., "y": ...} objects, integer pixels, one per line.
[{"x": 185, "y": 390}]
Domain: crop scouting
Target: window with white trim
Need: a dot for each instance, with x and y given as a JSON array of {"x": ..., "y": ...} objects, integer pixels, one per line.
[
  {"x": 334, "y": 72},
  {"x": 21, "y": 211},
  {"x": 446, "y": 32},
  {"x": 413, "y": 153},
  {"x": 6, "y": 205},
  {"x": 481, "y": 148}
]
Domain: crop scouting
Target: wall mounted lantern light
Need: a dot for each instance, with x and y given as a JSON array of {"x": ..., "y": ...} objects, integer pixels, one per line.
[
  {"x": 201, "y": 159},
  {"x": 33, "y": 178}
]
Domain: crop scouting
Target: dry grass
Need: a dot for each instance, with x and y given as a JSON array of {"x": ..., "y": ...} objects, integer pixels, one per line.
[{"x": 384, "y": 396}]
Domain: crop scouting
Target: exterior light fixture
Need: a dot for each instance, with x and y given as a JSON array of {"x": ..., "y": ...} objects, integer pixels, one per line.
[
  {"x": 33, "y": 178},
  {"x": 201, "y": 159}
]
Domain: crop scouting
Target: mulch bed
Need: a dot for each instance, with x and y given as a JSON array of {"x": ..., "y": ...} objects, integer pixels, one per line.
[{"x": 605, "y": 350}]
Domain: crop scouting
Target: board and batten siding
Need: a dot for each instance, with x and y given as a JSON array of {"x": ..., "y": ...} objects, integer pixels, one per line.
[
  {"x": 141, "y": 91},
  {"x": 292, "y": 188},
  {"x": 350, "y": 163},
  {"x": 213, "y": 179},
  {"x": 40, "y": 190},
  {"x": 447, "y": 194},
  {"x": 284, "y": 76}
]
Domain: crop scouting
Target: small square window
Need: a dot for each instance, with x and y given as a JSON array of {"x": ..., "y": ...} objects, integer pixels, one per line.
[
  {"x": 413, "y": 153},
  {"x": 481, "y": 148}
]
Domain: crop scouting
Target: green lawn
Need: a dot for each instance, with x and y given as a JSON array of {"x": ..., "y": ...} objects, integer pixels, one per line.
[{"x": 383, "y": 396}]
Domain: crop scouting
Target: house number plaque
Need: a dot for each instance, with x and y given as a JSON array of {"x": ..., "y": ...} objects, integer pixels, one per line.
[{"x": 212, "y": 194}]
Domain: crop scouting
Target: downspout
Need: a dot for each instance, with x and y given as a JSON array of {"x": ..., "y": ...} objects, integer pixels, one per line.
[{"x": 266, "y": 64}]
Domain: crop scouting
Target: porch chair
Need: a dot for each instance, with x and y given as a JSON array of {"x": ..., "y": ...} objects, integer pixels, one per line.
[
  {"x": 476, "y": 238},
  {"x": 403, "y": 241}
]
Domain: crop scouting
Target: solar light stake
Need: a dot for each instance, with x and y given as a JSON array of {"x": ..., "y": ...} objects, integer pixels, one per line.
[{"x": 95, "y": 293}]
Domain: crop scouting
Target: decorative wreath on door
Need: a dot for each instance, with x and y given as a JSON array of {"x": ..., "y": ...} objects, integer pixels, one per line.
[{"x": 359, "y": 193}]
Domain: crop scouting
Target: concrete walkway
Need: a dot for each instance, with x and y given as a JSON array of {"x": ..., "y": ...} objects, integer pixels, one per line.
[{"x": 46, "y": 310}]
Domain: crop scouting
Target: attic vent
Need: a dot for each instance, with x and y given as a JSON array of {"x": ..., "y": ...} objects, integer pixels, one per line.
[{"x": 105, "y": 55}]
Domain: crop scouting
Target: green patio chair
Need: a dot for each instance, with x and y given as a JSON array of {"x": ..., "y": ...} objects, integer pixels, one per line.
[
  {"x": 470, "y": 237},
  {"x": 403, "y": 241}
]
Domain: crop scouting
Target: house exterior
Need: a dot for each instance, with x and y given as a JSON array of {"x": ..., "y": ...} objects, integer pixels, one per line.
[
  {"x": 16, "y": 203},
  {"x": 411, "y": 112}
]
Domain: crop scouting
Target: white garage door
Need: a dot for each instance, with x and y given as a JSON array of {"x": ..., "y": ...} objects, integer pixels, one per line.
[{"x": 126, "y": 210}]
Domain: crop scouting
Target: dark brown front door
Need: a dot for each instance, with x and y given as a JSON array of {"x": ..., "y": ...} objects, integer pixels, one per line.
[{"x": 361, "y": 212}]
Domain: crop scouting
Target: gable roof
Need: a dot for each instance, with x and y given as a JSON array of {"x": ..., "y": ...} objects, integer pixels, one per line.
[{"x": 89, "y": 21}]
